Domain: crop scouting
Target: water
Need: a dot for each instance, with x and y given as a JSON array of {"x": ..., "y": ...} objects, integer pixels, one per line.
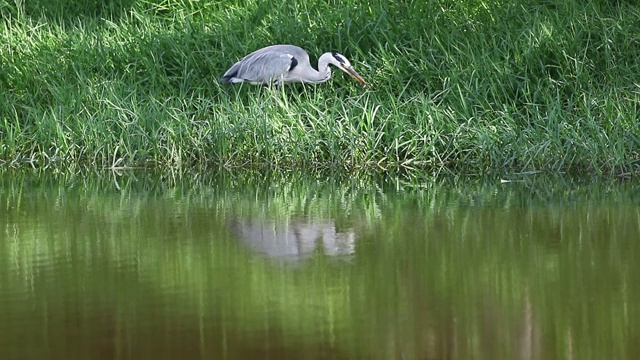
[{"x": 192, "y": 266}]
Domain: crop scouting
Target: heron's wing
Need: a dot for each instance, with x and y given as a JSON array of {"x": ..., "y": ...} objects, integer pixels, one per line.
[{"x": 261, "y": 67}]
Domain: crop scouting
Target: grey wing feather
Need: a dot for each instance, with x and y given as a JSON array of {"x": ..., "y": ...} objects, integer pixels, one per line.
[
  {"x": 265, "y": 65},
  {"x": 260, "y": 68}
]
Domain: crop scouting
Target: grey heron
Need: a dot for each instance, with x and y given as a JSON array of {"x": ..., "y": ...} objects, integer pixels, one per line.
[{"x": 286, "y": 63}]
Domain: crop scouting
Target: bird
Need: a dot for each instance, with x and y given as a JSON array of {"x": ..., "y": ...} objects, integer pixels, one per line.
[{"x": 279, "y": 64}]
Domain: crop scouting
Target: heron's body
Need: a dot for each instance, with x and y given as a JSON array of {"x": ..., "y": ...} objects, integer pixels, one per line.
[{"x": 285, "y": 63}]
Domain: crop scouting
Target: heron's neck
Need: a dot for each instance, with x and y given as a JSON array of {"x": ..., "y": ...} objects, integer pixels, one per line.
[{"x": 324, "y": 71}]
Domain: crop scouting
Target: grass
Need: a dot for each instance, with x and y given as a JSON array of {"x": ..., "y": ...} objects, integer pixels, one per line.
[{"x": 473, "y": 86}]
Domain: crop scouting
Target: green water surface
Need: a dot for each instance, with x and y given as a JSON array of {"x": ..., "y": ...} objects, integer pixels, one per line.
[{"x": 255, "y": 266}]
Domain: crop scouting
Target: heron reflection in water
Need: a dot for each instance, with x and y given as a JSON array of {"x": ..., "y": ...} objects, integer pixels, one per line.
[{"x": 294, "y": 240}]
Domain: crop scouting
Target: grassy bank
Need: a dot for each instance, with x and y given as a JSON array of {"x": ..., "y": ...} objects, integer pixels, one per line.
[{"x": 473, "y": 86}]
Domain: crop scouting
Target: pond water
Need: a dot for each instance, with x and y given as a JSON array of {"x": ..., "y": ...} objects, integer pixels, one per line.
[{"x": 235, "y": 266}]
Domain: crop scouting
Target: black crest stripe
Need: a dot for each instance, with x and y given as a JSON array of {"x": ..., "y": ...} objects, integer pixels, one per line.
[{"x": 338, "y": 57}]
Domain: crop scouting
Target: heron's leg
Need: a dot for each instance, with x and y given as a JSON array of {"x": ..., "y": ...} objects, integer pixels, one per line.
[
  {"x": 277, "y": 83},
  {"x": 273, "y": 88}
]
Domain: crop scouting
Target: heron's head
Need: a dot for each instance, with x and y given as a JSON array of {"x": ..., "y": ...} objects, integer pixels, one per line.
[{"x": 343, "y": 64}]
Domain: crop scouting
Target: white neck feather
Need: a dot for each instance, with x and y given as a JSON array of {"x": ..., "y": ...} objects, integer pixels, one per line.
[{"x": 324, "y": 71}]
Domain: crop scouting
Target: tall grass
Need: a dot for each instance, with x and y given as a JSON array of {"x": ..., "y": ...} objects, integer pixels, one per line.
[{"x": 474, "y": 86}]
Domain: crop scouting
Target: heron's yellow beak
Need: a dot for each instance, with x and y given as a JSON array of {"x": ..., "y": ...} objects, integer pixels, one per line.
[{"x": 349, "y": 70}]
